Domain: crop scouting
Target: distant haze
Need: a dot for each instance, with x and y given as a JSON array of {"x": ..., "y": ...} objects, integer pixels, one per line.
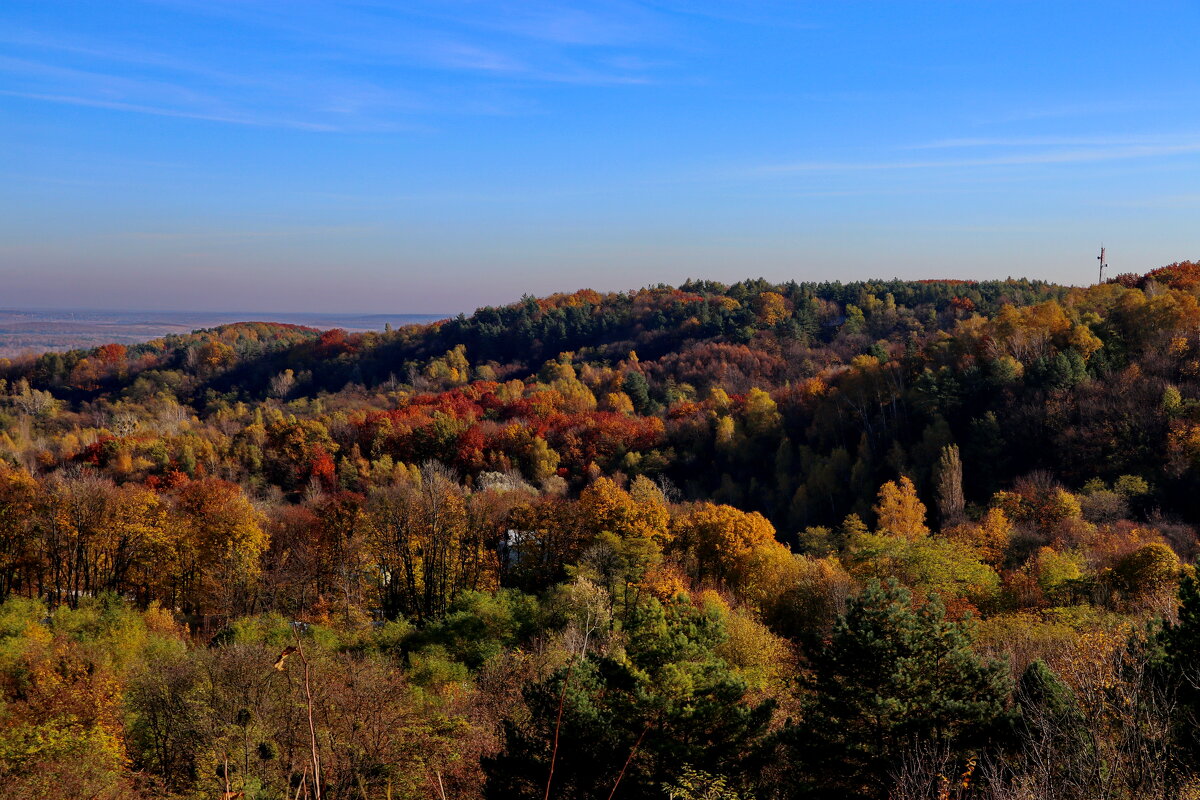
[
  {"x": 431, "y": 157},
  {"x": 66, "y": 329}
]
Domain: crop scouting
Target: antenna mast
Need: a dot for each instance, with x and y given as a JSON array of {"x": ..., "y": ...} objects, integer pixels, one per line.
[{"x": 1103, "y": 263}]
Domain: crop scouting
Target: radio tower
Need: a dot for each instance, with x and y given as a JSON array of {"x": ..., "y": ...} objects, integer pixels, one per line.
[{"x": 1103, "y": 264}]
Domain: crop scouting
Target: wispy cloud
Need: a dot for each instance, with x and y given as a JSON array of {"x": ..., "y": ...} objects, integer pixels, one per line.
[
  {"x": 1051, "y": 141},
  {"x": 763, "y": 13},
  {"x": 1044, "y": 157},
  {"x": 564, "y": 23},
  {"x": 334, "y": 66},
  {"x": 113, "y": 53},
  {"x": 532, "y": 37},
  {"x": 459, "y": 55},
  {"x": 317, "y": 104},
  {"x": 167, "y": 112}
]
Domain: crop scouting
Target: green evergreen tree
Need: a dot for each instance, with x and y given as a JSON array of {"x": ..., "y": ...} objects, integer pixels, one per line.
[
  {"x": 1178, "y": 660},
  {"x": 891, "y": 677},
  {"x": 638, "y": 389},
  {"x": 640, "y": 718},
  {"x": 1057, "y": 747}
]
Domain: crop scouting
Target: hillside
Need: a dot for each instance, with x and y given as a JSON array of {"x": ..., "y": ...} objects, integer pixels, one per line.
[
  {"x": 865, "y": 381},
  {"x": 729, "y": 528}
]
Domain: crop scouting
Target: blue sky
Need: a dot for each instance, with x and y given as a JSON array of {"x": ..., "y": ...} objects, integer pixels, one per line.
[{"x": 313, "y": 155}]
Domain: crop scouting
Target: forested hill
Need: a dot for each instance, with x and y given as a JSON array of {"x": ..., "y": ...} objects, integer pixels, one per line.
[
  {"x": 791, "y": 542},
  {"x": 515, "y": 340},
  {"x": 796, "y": 400}
]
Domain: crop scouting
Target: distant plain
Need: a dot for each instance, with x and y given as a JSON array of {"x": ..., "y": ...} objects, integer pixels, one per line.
[{"x": 39, "y": 330}]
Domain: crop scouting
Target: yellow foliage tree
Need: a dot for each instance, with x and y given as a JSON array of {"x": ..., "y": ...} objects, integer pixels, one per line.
[
  {"x": 218, "y": 540},
  {"x": 761, "y": 412},
  {"x": 1083, "y": 340},
  {"x": 900, "y": 511},
  {"x": 989, "y": 537},
  {"x": 618, "y": 402},
  {"x": 725, "y": 431},
  {"x": 61, "y": 735},
  {"x": 453, "y": 367},
  {"x": 543, "y": 460},
  {"x": 604, "y": 506},
  {"x": 18, "y": 499},
  {"x": 723, "y": 541},
  {"x": 762, "y": 658},
  {"x": 431, "y": 543},
  {"x": 771, "y": 307}
]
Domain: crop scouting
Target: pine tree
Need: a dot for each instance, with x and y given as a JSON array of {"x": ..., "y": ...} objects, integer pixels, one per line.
[
  {"x": 1179, "y": 665},
  {"x": 640, "y": 719},
  {"x": 638, "y": 389},
  {"x": 1052, "y": 726},
  {"x": 890, "y": 678}
]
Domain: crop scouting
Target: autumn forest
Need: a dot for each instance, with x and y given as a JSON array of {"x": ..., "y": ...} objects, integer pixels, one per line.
[{"x": 889, "y": 540}]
